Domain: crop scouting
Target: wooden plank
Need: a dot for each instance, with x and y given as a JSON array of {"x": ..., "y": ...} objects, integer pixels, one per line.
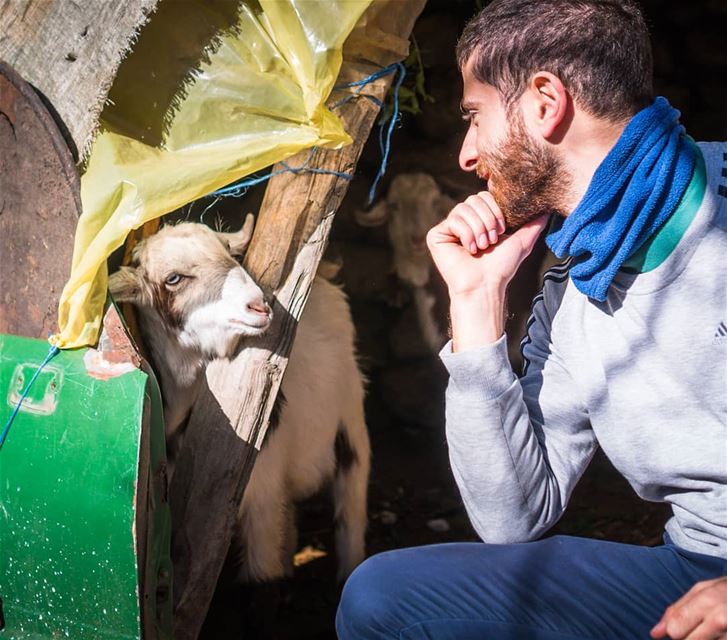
[
  {"x": 70, "y": 52},
  {"x": 231, "y": 415}
]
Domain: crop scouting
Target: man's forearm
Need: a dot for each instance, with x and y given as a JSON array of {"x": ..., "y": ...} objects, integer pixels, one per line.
[{"x": 478, "y": 318}]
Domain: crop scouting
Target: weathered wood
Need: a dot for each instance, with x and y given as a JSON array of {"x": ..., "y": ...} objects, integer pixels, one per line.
[
  {"x": 39, "y": 207},
  {"x": 229, "y": 420},
  {"x": 70, "y": 52}
]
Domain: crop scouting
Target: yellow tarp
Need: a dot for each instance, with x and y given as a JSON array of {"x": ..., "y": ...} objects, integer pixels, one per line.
[{"x": 205, "y": 99}]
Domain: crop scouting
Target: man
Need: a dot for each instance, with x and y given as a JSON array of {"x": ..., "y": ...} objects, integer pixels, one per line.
[{"x": 625, "y": 347}]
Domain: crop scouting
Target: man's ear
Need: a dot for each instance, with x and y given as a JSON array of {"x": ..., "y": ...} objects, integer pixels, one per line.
[
  {"x": 126, "y": 286},
  {"x": 547, "y": 104}
]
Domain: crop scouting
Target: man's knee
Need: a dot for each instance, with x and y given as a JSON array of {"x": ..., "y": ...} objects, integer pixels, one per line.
[{"x": 365, "y": 610}]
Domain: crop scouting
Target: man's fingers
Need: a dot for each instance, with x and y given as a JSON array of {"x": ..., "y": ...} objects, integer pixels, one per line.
[
  {"x": 659, "y": 630},
  {"x": 680, "y": 621},
  {"x": 487, "y": 217},
  {"x": 463, "y": 230},
  {"x": 701, "y": 614},
  {"x": 495, "y": 209},
  {"x": 470, "y": 223},
  {"x": 708, "y": 630},
  {"x": 475, "y": 221}
]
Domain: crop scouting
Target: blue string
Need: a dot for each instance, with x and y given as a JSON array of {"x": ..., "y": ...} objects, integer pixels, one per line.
[
  {"x": 374, "y": 76},
  {"x": 51, "y": 352},
  {"x": 385, "y": 143},
  {"x": 239, "y": 189}
]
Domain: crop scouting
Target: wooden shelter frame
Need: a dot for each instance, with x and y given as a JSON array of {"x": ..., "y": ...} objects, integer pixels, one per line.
[{"x": 64, "y": 51}]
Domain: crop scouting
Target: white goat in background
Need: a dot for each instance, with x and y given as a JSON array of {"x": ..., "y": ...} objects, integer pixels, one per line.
[
  {"x": 194, "y": 303},
  {"x": 414, "y": 203}
]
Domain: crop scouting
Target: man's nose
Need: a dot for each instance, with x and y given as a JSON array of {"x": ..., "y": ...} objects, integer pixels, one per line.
[{"x": 468, "y": 155}]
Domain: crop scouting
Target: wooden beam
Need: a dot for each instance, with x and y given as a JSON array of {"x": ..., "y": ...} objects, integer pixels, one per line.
[
  {"x": 230, "y": 418},
  {"x": 70, "y": 52}
]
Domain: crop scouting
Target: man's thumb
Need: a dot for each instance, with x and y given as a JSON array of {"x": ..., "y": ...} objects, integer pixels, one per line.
[{"x": 530, "y": 232}]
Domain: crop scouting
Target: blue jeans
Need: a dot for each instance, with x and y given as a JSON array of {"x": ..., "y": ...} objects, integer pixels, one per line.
[{"x": 560, "y": 588}]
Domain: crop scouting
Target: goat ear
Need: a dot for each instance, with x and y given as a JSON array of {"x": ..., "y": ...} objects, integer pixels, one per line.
[
  {"x": 375, "y": 217},
  {"x": 125, "y": 285},
  {"x": 238, "y": 240}
]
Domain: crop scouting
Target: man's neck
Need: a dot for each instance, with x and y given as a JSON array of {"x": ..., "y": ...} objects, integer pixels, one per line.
[{"x": 588, "y": 142}]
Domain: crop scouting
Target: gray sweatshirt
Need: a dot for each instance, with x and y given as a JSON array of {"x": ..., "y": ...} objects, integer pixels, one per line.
[{"x": 643, "y": 375}]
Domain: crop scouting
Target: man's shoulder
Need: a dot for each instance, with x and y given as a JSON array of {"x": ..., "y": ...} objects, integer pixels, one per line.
[
  {"x": 715, "y": 160},
  {"x": 713, "y": 151}
]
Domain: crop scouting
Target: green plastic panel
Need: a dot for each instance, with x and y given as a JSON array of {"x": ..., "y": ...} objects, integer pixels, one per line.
[{"x": 68, "y": 472}]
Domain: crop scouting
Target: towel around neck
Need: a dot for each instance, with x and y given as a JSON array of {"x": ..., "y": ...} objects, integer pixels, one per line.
[{"x": 632, "y": 193}]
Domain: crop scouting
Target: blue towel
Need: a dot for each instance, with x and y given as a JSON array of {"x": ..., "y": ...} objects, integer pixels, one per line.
[{"x": 633, "y": 192}]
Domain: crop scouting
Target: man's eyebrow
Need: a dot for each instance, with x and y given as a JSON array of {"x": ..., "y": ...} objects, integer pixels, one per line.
[{"x": 467, "y": 105}]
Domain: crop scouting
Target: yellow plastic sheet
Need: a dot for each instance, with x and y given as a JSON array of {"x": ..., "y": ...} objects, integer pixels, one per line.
[{"x": 209, "y": 95}]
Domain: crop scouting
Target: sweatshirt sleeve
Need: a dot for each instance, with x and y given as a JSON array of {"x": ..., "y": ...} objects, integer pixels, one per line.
[{"x": 517, "y": 446}]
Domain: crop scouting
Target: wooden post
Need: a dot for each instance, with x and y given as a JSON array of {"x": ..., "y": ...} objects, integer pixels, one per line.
[
  {"x": 230, "y": 418},
  {"x": 70, "y": 52}
]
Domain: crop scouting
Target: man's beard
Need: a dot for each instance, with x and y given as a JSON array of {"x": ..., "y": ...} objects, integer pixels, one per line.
[{"x": 526, "y": 179}]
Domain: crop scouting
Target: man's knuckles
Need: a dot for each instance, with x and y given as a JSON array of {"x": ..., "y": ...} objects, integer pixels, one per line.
[
  {"x": 719, "y": 619},
  {"x": 679, "y": 621}
]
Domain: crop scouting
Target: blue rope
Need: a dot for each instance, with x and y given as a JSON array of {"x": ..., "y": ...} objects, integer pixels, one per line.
[
  {"x": 385, "y": 143},
  {"x": 357, "y": 94},
  {"x": 240, "y": 188},
  {"x": 51, "y": 352},
  {"x": 374, "y": 76}
]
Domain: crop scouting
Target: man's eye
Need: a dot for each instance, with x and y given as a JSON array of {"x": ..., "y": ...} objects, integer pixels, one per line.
[
  {"x": 469, "y": 116},
  {"x": 173, "y": 278}
]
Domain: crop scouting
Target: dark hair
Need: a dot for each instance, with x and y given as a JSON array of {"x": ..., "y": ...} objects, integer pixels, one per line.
[{"x": 599, "y": 49}]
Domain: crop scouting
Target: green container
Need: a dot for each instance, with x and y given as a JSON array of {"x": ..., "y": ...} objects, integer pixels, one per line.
[{"x": 71, "y": 562}]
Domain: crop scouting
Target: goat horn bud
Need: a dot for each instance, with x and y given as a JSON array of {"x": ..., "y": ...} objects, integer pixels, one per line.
[{"x": 375, "y": 217}]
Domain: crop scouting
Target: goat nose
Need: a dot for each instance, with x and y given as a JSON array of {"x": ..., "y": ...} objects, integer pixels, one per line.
[{"x": 259, "y": 306}]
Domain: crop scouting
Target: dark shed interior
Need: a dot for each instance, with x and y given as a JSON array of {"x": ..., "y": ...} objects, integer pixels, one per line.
[{"x": 413, "y": 499}]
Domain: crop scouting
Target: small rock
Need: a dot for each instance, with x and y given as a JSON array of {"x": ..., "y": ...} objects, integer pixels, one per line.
[{"x": 440, "y": 525}]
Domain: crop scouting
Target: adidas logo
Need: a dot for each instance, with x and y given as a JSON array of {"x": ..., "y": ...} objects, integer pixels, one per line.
[{"x": 721, "y": 333}]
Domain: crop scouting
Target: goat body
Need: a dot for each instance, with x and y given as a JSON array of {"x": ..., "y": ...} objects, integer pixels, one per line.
[{"x": 194, "y": 303}]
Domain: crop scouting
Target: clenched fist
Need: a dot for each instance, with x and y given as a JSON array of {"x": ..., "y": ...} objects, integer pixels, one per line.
[
  {"x": 477, "y": 261},
  {"x": 470, "y": 250}
]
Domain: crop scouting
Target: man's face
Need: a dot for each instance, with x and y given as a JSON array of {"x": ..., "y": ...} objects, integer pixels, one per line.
[{"x": 525, "y": 176}]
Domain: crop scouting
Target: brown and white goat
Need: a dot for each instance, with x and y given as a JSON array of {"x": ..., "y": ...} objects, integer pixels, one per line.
[{"x": 194, "y": 302}]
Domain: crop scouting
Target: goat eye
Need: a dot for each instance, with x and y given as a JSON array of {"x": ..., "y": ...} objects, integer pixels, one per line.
[{"x": 173, "y": 279}]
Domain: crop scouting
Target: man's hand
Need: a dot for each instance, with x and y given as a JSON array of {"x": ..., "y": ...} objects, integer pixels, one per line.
[
  {"x": 700, "y": 614},
  {"x": 470, "y": 251},
  {"x": 477, "y": 262}
]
